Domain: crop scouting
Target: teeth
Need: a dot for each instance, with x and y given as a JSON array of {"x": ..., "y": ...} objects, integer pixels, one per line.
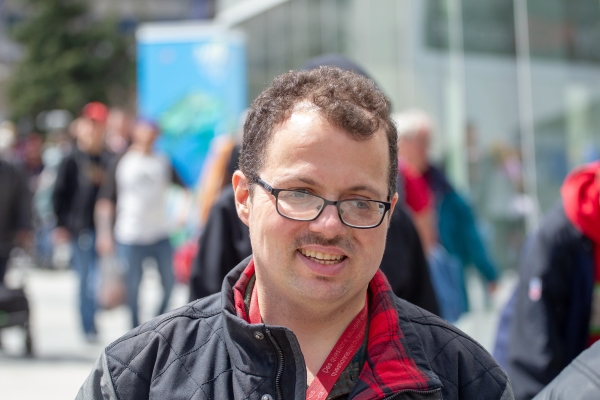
[{"x": 322, "y": 258}]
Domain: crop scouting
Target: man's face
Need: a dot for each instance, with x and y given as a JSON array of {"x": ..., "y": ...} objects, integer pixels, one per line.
[
  {"x": 414, "y": 149},
  {"x": 144, "y": 134},
  {"x": 90, "y": 134},
  {"x": 307, "y": 153}
]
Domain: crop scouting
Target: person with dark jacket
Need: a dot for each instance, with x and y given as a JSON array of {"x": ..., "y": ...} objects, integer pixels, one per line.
[
  {"x": 456, "y": 225},
  {"x": 78, "y": 182},
  {"x": 15, "y": 211},
  {"x": 309, "y": 315},
  {"x": 557, "y": 304},
  {"x": 579, "y": 381}
]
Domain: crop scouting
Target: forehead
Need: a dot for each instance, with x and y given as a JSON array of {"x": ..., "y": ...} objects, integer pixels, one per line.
[{"x": 307, "y": 147}]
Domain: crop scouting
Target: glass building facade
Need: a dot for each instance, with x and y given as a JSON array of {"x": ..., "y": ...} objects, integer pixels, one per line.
[{"x": 512, "y": 86}]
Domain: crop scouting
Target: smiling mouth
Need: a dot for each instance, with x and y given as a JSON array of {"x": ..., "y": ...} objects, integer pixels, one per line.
[{"x": 322, "y": 258}]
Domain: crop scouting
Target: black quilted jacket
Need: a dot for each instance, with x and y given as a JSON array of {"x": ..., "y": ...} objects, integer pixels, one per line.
[{"x": 204, "y": 351}]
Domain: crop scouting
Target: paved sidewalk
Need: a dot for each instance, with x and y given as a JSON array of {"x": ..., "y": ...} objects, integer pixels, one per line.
[{"x": 63, "y": 359}]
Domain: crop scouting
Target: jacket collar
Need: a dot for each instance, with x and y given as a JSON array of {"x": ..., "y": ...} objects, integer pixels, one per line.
[{"x": 395, "y": 362}]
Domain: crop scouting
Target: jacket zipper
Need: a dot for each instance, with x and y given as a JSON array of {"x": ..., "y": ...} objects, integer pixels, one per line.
[
  {"x": 279, "y": 366},
  {"x": 432, "y": 391}
]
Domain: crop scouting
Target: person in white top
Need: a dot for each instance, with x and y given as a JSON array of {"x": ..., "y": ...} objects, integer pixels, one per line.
[{"x": 134, "y": 197}]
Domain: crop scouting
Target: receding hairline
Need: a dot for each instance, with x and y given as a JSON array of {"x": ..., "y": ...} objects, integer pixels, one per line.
[{"x": 305, "y": 106}]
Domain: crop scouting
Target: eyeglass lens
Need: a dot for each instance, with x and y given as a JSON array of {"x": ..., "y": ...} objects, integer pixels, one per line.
[{"x": 304, "y": 206}]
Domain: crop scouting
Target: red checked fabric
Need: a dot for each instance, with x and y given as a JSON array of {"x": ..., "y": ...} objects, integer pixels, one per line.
[{"x": 389, "y": 368}]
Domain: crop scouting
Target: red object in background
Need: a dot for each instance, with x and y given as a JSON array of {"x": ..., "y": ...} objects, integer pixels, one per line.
[
  {"x": 417, "y": 194},
  {"x": 95, "y": 111},
  {"x": 183, "y": 257}
]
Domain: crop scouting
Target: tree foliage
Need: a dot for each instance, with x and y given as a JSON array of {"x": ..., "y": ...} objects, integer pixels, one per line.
[{"x": 69, "y": 59}]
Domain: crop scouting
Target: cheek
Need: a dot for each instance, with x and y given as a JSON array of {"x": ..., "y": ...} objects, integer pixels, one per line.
[
  {"x": 374, "y": 244},
  {"x": 267, "y": 228}
]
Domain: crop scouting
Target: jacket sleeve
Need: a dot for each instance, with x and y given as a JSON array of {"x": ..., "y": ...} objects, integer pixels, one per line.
[
  {"x": 536, "y": 350},
  {"x": 98, "y": 385},
  {"x": 471, "y": 248}
]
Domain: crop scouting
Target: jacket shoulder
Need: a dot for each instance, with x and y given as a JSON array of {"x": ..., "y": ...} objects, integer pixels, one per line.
[
  {"x": 163, "y": 348},
  {"x": 465, "y": 368}
]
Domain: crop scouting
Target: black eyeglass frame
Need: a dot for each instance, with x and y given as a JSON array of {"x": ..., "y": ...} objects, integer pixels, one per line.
[{"x": 275, "y": 192}]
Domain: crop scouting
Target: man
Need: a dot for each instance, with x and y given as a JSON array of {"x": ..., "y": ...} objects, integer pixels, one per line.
[
  {"x": 134, "y": 197},
  {"x": 78, "y": 181},
  {"x": 557, "y": 304},
  {"x": 308, "y": 315},
  {"x": 456, "y": 226}
]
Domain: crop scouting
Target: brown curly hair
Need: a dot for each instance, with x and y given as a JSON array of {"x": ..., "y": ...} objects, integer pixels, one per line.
[{"x": 346, "y": 99}]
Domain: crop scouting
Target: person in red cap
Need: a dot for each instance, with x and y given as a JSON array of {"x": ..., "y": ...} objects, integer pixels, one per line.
[
  {"x": 78, "y": 180},
  {"x": 557, "y": 309}
]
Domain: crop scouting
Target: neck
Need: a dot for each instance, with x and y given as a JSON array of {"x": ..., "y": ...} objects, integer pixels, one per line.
[
  {"x": 93, "y": 150},
  {"x": 317, "y": 328},
  {"x": 141, "y": 148}
]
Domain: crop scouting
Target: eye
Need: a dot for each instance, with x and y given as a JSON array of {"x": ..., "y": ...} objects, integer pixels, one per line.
[
  {"x": 294, "y": 195},
  {"x": 297, "y": 194},
  {"x": 361, "y": 205}
]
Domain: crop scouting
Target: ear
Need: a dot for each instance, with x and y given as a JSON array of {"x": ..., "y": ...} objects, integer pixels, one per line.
[
  {"x": 242, "y": 196},
  {"x": 394, "y": 201}
]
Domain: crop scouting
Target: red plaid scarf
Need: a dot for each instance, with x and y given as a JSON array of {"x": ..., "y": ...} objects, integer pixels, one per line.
[{"x": 388, "y": 368}]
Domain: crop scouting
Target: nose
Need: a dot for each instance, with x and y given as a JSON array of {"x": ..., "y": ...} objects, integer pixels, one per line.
[{"x": 328, "y": 223}]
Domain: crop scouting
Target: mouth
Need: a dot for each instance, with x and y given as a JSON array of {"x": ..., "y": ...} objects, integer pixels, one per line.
[{"x": 322, "y": 258}]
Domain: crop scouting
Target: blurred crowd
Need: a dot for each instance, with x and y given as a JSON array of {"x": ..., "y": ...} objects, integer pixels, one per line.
[{"x": 95, "y": 197}]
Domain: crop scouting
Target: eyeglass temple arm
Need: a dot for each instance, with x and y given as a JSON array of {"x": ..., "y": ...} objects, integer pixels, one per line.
[{"x": 265, "y": 185}]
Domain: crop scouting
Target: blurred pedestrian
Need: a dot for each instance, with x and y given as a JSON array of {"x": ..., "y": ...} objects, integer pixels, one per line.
[
  {"x": 8, "y": 138},
  {"x": 118, "y": 130},
  {"x": 47, "y": 255},
  {"x": 454, "y": 220},
  {"x": 78, "y": 181},
  {"x": 134, "y": 197},
  {"x": 15, "y": 212},
  {"x": 31, "y": 159},
  {"x": 557, "y": 305}
]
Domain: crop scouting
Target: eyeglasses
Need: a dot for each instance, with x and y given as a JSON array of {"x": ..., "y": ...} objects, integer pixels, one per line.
[{"x": 300, "y": 205}]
